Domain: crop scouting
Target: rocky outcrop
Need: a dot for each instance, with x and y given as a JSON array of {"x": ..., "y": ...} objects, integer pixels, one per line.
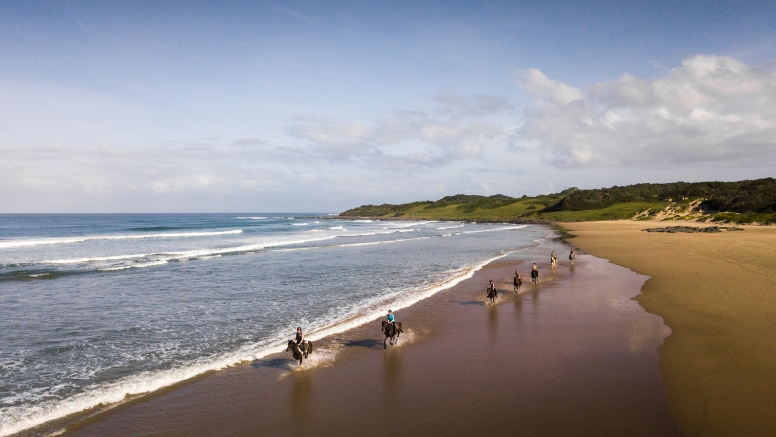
[{"x": 693, "y": 229}]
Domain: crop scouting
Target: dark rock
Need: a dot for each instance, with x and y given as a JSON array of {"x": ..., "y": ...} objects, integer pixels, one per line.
[{"x": 693, "y": 229}]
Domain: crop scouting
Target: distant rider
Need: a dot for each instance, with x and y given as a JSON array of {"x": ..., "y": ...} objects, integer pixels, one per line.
[
  {"x": 571, "y": 255},
  {"x": 492, "y": 287},
  {"x": 518, "y": 280},
  {"x": 534, "y": 274}
]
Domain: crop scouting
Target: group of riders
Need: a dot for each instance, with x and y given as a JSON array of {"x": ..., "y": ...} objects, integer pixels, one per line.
[
  {"x": 518, "y": 280},
  {"x": 491, "y": 291},
  {"x": 300, "y": 341}
]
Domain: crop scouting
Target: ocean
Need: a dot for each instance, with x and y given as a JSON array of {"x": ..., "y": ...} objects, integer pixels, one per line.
[{"x": 95, "y": 307}]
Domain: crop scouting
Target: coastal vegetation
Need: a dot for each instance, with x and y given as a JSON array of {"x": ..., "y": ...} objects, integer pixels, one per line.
[{"x": 743, "y": 202}]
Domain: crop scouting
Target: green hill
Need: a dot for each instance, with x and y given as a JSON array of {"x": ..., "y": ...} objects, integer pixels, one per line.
[{"x": 750, "y": 201}]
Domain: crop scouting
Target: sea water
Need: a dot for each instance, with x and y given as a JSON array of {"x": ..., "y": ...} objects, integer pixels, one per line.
[{"x": 96, "y": 307}]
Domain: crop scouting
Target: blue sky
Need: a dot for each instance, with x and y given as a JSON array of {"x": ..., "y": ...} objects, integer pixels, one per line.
[{"x": 323, "y": 106}]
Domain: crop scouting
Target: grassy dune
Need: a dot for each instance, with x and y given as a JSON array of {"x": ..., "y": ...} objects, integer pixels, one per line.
[
  {"x": 522, "y": 210},
  {"x": 528, "y": 210},
  {"x": 744, "y": 202}
]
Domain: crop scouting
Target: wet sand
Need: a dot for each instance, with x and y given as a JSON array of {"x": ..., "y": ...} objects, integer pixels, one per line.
[
  {"x": 717, "y": 292},
  {"x": 574, "y": 355}
]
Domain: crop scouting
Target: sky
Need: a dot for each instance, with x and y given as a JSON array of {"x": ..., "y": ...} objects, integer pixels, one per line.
[{"x": 324, "y": 106}]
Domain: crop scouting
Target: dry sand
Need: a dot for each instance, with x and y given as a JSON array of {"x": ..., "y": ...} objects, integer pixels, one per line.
[
  {"x": 717, "y": 292},
  {"x": 574, "y": 355}
]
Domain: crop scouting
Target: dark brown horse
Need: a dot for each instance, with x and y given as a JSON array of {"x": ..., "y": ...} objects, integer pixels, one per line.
[
  {"x": 392, "y": 331},
  {"x": 299, "y": 352},
  {"x": 492, "y": 294}
]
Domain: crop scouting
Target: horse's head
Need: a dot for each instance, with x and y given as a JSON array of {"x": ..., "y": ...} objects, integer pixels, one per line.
[{"x": 290, "y": 346}]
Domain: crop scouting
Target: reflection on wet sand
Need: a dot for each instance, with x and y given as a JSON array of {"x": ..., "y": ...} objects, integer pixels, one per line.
[
  {"x": 493, "y": 323},
  {"x": 300, "y": 401},
  {"x": 519, "y": 305},
  {"x": 392, "y": 363}
]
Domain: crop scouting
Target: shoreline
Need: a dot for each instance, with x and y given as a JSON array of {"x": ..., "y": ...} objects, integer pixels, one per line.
[
  {"x": 716, "y": 292},
  {"x": 432, "y": 352},
  {"x": 76, "y": 416},
  {"x": 513, "y": 221}
]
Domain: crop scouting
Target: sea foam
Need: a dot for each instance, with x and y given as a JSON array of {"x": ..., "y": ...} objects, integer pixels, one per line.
[{"x": 37, "y": 242}]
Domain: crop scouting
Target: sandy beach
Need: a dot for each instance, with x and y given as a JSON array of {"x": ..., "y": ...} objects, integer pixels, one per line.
[
  {"x": 717, "y": 293},
  {"x": 573, "y": 355}
]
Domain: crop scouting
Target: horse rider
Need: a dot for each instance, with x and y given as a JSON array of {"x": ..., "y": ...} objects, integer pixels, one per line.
[
  {"x": 553, "y": 257},
  {"x": 571, "y": 255},
  {"x": 391, "y": 318},
  {"x": 299, "y": 337},
  {"x": 518, "y": 280},
  {"x": 534, "y": 273}
]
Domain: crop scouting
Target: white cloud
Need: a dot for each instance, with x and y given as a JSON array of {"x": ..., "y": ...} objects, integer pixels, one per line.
[
  {"x": 249, "y": 141},
  {"x": 534, "y": 81},
  {"x": 318, "y": 158},
  {"x": 406, "y": 140},
  {"x": 457, "y": 106},
  {"x": 712, "y": 108}
]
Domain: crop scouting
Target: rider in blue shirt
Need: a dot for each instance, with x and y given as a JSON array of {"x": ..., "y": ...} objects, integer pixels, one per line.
[{"x": 391, "y": 319}]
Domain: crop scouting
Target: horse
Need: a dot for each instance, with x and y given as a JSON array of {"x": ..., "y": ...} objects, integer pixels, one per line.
[
  {"x": 392, "y": 331},
  {"x": 492, "y": 294},
  {"x": 517, "y": 283},
  {"x": 299, "y": 352},
  {"x": 553, "y": 260},
  {"x": 535, "y": 276}
]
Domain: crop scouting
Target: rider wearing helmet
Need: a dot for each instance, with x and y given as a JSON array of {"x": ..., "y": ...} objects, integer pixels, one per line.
[{"x": 391, "y": 318}]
